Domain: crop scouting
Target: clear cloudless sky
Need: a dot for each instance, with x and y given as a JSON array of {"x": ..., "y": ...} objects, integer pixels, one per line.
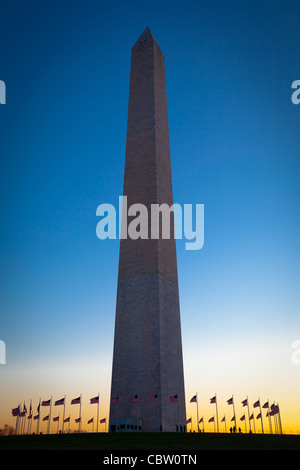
[{"x": 235, "y": 147}]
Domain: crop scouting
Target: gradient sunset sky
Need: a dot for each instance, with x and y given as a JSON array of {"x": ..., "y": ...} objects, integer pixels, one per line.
[{"x": 235, "y": 147}]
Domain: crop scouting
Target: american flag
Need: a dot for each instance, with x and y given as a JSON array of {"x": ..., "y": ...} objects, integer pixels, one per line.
[
  {"x": 245, "y": 402},
  {"x": 103, "y": 420},
  {"x": 188, "y": 420},
  {"x": 154, "y": 398},
  {"x": 211, "y": 420},
  {"x": 90, "y": 420},
  {"x": 16, "y": 411},
  {"x": 75, "y": 401},
  {"x": 230, "y": 401},
  {"x": 59, "y": 402},
  {"x": 242, "y": 418},
  {"x": 46, "y": 418},
  {"x": 213, "y": 399},
  {"x": 94, "y": 400},
  {"x": 67, "y": 420},
  {"x": 193, "y": 399},
  {"x": 77, "y": 420},
  {"x": 173, "y": 399},
  {"x": 46, "y": 402},
  {"x": 134, "y": 399},
  {"x": 256, "y": 404},
  {"x": 56, "y": 418}
]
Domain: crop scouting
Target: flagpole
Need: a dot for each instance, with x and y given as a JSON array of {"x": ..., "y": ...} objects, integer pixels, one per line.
[
  {"x": 49, "y": 422},
  {"x": 270, "y": 421},
  {"x": 234, "y": 413},
  {"x": 197, "y": 412},
  {"x": 254, "y": 422},
  {"x": 79, "y": 424},
  {"x": 98, "y": 411},
  {"x": 17, "y": 421},
  {"x": 30, "y": 411},
  {"x": 38, "y": 423},
  {"x": 262, "y": 426},
  {"x": 62, "y": 429},
  {"x": 217, "y": 413},
  {"x": 248, "y": 414},
  {"x": 279, "y": 419}
]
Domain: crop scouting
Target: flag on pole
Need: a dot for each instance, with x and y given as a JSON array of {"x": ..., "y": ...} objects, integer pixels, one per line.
[
  {"x": 103, "y": 420},
  {"x": 223, "y": 419},
  {"x": 242, "y": 418},
  {"x": 77, "y": 420},
  {"x": 46, "y": 418},
  {"x": 75, "y": 401},
  {"x": 245, "y": 402},
  {"x": 211, "y": 420},
  {"x": 22, "y": 414},
  {"x": 67, "y": 420},
  {"x": 233, "y": 419},
  {"x": 114, "y": 400},
  {"x": 188, "y": 420},
  {"x": 256, "y": 404},
  {"x": 90, "y": 420},
  {"x": 94, "y": 400},
  {"x": 193, "y": 399},
  {"x": 59, "y": 402},
  {"x": 36, "y": 417},
  {"x": 201, "y": 420},
  {"x": 230, "y": 401},
  {"x": 258, "y": 416},
  {"x": 251, "y": 417},
  {"x": 266, "y": 405},
  {"x": 46, "y": 403},
  {"x": 16, "y": 411},
  {"x": 213, "y": 399},
  {"x": 173, "y": 399},
  {"x": 56, "y": 418},
  {"x": 275, "y": 409},
  {"x": 154, "y": 398},
  {"x": 134, "y": 399}
]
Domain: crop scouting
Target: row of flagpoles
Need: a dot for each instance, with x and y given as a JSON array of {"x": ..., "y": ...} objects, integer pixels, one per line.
[
  {"x": 21, "y": 415},
  {"x": 272, "y": 411}
]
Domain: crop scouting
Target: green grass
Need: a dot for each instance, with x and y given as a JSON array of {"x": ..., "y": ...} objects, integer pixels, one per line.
[{"x": 151, "y": 441}]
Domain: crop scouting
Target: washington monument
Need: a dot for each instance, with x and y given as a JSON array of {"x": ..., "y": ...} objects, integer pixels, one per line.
[{"x": 147, "y": 388}]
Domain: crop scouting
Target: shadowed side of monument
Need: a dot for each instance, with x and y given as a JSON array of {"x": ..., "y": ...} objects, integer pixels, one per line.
[{"x": 147, "y": 356}]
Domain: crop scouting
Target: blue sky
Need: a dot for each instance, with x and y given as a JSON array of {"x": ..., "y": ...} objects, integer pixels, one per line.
[{"x": 235, "y": 147}]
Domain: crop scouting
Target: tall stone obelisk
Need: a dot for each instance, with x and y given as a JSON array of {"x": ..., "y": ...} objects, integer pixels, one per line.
[{"x": 147, "y": 356}]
